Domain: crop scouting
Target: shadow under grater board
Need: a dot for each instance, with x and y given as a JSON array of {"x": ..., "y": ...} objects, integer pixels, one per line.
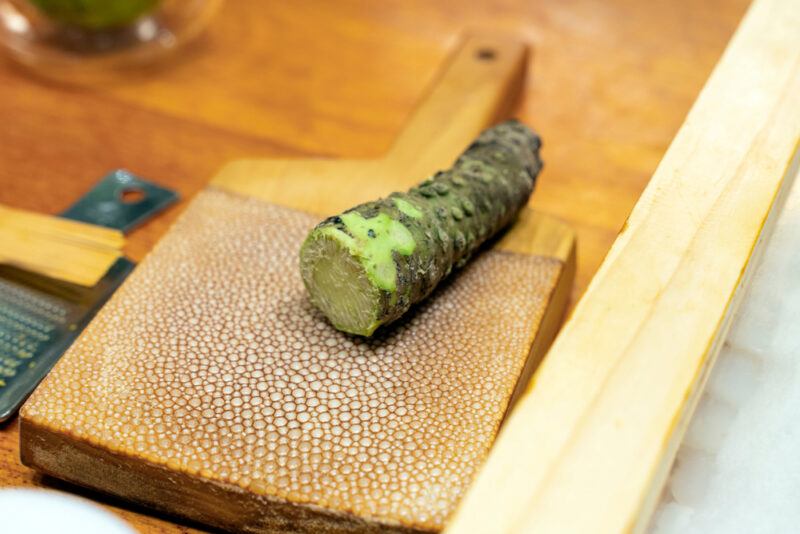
[{"x": 210, "y": 387}]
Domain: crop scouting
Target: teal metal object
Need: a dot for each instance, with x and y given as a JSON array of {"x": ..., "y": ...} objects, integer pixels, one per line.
[{"x": 121, "y": 200}]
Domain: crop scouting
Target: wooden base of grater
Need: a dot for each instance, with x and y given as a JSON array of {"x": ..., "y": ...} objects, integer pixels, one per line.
[{"x": 209, "y": 388}]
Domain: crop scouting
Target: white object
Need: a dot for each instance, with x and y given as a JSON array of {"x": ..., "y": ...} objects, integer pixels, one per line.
[{"x": 36, "y": 511}]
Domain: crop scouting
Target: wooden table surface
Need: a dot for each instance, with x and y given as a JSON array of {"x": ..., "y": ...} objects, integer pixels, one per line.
[{"x": 611, "y": 82}]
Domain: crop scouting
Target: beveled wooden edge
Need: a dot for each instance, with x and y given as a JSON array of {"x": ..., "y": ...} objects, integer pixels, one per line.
[
  {"x": 231, "y": 507},
  {"x": 554, "y": 312}
]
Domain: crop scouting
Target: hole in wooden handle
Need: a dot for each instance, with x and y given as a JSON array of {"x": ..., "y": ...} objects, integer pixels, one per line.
[{"x": 485, "y": 54}]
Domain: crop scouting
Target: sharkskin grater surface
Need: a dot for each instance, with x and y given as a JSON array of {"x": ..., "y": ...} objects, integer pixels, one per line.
[{"x": 211, "y": 362}]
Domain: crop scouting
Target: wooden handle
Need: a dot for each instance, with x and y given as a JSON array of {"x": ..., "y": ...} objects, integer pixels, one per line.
[{"x": 479, "y": 86}]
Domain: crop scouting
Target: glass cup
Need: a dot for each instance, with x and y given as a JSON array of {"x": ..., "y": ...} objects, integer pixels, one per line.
[{"x": 77, "y": 40}]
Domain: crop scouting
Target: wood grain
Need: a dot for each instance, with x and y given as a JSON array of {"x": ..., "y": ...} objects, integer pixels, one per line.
[
  {"x": 72, "y": 251},
  {"x": 470, "y": 93},
  {"x": 613, "y": 397},
  {"x": 613, "y": 81}
]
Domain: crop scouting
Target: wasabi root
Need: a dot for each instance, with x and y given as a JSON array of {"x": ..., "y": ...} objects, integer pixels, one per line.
[{"x": 367, "y": 266}]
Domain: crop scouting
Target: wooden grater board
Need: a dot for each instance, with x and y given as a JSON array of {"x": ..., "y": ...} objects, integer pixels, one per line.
[{"x": 210, "y": 389}]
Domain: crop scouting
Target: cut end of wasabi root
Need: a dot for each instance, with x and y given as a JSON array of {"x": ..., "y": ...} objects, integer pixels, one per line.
[
  {"x": 367, "y": 266},
  {"x": 339, "y": 284}
]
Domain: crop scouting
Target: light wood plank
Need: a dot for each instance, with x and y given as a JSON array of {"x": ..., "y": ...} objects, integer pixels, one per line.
[
  {"x": 586, "y": 447},
  {"x": 71, "y": 251},
  {"x": 756, "y": 367}
]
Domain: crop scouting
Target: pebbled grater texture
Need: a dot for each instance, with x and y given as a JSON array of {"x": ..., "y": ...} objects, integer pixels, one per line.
[{"x": 211, "y": 362}]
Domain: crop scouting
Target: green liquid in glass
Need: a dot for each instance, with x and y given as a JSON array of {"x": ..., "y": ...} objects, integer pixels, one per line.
[{"x": 95, "y": 14}]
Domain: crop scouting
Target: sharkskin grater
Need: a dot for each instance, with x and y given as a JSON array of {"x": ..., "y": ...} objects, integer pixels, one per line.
[{"x": 207, "y": 388}]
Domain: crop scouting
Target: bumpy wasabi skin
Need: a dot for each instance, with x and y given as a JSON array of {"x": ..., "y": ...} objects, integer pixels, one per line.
[
  {"x": 95, "y": 14},
  {"x": 367, "y": 266}
]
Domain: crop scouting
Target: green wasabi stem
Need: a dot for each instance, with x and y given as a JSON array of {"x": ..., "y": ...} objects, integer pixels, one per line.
[
  {"x": 95, "y": 14},
  {"x": 367, "y": 266}
]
